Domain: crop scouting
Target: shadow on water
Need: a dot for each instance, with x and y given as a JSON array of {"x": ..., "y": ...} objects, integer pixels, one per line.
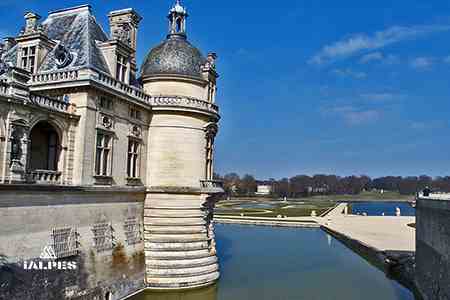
[
  {"x": 224, "y": 247},
  {"x": 209, "y": 293}
]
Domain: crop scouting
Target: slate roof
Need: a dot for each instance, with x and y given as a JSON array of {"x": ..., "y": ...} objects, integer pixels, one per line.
[
  {"x": 77, "y": 30},
  {"x": 174, "y": 56}
]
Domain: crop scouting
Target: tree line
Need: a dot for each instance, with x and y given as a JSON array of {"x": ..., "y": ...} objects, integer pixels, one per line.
[{"x": 304, "y": 185}]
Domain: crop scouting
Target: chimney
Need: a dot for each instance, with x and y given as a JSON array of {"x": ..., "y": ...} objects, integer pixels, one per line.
[
  {"x": 123, "y": 26},
  {"x": 31, "y": 22},
  {"x": 8, "y": 43}
]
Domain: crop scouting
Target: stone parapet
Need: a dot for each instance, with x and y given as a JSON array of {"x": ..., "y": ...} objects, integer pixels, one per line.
[{"x": 433, "y": 246}]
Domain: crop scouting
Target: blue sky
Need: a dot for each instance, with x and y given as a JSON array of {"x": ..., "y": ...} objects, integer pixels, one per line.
[{"x": 342, "y": 87}]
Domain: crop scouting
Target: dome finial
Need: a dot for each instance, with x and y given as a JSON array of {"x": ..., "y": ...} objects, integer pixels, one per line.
[{"x": 177, "y": 20}]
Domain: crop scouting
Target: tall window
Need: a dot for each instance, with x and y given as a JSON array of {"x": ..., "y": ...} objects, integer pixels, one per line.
[
  {"x": 133, "y": 158},
  {"x": 106, "y": 103},
  {"x": 102, "y": 155},
  {"x": 209, "y": 157},
  {"x": 135, "y": 113},
  {"x": 44, "y": 147},
  {"x": 29, "y": 58},
  {"x": 122, "y": 66}
]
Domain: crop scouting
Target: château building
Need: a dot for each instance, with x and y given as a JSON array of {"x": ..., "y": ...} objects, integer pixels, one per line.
[{"x": 104, "y": 165}]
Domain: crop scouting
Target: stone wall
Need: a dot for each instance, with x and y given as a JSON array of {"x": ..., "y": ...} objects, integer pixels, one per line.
[
  {"x": 433, "y": 248},
  {"x": 106, "y": 225}
]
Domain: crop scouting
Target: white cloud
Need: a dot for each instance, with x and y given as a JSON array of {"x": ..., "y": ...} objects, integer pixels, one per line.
[
  {"x": 349, "y": 73},
  {"x": 422, "y": 63},
  {"x": 354, "y": 116},
  {"x": 374, "y": 56},
  {"x": 379, "y": 57},
  {"x": 380, "y": 39},
  {"x": 381, "y": 97}
]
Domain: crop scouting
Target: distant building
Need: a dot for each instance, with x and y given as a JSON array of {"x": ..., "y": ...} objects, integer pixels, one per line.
[{"x": 264, "y": 190}]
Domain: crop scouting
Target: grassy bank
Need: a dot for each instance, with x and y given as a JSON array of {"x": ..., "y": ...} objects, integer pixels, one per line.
[{"x": 364, "y": 196}]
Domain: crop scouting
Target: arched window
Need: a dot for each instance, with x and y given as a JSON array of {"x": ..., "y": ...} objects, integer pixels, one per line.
[
  {"x": 45, "y": 147},
  {"x": 209, "y": 158},
  {"x": 179, "y": 24}
]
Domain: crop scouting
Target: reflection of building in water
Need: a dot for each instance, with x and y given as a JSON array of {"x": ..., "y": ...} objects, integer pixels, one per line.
[
  {"x": 91, "y": 148},
  {"x": 208, "y": 293},
  {"x": 329, "y": 238}
]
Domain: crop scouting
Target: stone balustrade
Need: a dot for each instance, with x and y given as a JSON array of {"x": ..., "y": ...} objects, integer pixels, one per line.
[
  {"x": 52, "y": 103},
  {"x": 123, "y": 87},
  {"x": 45, "y": 177},
  {"x": 54, "y": 77},
  {"x": 212, "y": 186},
  {"x": 175, "y": 101},
  {"x": 131, "y": 91}
]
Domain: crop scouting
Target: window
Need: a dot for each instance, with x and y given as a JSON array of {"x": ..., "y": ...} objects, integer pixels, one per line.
[
  {"x": 121, "y": 69},
  {"x": 102, "y": 155},
  {"x": 65, "y": 242},
  {"x": 209, "y": 158},
  {"x": 132, "y": 229},
  {"x": 103, "y": 236},
  {"x": 44, "y": 147},
  {"x": 29, "y": 58},
  {"x": 135, "y": 113},
  {"x": 106, "y": 103},
  {"x": 133, "y": 159}
]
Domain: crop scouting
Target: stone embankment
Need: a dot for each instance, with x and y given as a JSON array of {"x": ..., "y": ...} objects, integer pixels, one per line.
[
  {"x": 386, "y": 242},
  {"x": 309, "y": 222}
]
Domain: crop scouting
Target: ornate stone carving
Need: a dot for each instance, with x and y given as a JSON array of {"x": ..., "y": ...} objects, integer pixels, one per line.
[
  {"x": 211, "y": 61},
  {"x": 106, "y": 121},
  {"x": 135, "y": 131},
  {"x": 4, "y": 66},
  {"x": 18, "y": 151},
  {"x": 63, "y": 56},
  {"x": 17, "y": 134},
  {"x": 123, "y": 33},
  {"x": 211, "y": 130}
]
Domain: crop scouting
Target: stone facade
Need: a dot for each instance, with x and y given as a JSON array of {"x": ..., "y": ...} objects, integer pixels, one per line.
[
  {"x": 433, "y": 246},
  {"x": 121, "y": 161}
]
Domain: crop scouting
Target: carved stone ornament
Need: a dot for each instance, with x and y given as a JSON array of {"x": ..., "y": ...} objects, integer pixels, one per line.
[
  {"x": 211, "y": 130},
  {"x": 107, "y": 122},
  {"x": 123, "y": 34},
  {"x": 17, "y": 133},
  {"x": 4, "y": 67},
  {"x": 136, "y": 131},
  {"x": 63, "y": 56}
]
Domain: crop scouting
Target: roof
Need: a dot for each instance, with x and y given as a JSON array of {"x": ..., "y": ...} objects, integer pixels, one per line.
[
  {"x": 174, "y": 56},
  {"x": 78, "y": 31}
]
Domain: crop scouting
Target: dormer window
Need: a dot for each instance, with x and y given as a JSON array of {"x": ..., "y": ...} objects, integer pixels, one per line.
[
  {"x": 29, "y": 58},
  {"x": 122, "y": 68}
]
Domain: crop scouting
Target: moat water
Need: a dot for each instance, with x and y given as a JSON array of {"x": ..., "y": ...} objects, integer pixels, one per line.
[
  {"x": 268, "y": 263},
  {"x": 378, "y": 208}
]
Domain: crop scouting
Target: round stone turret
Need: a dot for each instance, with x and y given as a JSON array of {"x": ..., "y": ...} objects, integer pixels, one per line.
[{"x": 178, "y": 214}]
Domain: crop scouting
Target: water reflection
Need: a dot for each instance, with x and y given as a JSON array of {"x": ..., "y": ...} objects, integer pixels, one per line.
[
  {"x": 209, "y": 293},
  {"x": 265, "y": 263}
]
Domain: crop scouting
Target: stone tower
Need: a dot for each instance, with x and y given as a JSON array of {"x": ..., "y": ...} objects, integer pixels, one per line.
[{"x": 179, "y": 234}]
